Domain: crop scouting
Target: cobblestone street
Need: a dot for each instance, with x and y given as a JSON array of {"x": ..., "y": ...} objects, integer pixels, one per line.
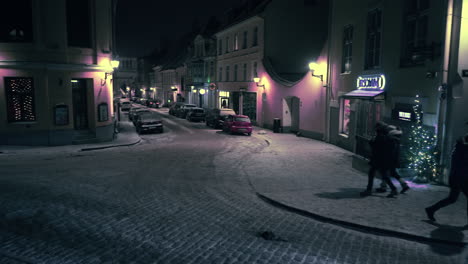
[{"x": 178, "y": 197}]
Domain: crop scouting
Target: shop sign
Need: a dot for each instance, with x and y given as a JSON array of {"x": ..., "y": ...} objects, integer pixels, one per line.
[{"x": 374, "y": 82}]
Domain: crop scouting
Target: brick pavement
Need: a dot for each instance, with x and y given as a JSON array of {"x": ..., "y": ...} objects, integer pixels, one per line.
[{"x": 316, "y": 178}]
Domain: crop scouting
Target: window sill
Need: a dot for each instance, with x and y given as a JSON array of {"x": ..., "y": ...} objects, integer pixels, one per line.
[
  {"x": 343, "y": 135},
  {"x": 345, "y": 73},
  {"x": 23, "y": 123}
]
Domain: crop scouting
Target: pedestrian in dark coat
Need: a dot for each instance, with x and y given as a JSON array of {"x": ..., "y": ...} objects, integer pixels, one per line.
[
  {"x": 381, "y": 150},
  {"x": 395, "y": 136},
  {"x": 458, "y": 178}
]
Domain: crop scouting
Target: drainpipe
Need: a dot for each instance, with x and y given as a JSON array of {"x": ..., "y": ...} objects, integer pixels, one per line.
[
  {"x": 449, "y": 66},
  {"x": 328, "y": 86}
]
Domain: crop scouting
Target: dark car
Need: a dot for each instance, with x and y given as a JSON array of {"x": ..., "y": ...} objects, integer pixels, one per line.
[
  {"x": 139, "y": 112},
  {"x": 132, "y": 112},
  {"x": 183, "y": 110},
  {"x": 215, "y": 117},
  {"x": 239, "y": 124},
  {"x": 152, "y": 103},
  {"x": 196, "y": 114},
  {"x": 175, "y": 107},
  {"x": 148, "y": 122}
]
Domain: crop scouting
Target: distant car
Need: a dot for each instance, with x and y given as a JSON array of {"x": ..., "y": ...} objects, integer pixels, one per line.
[
  {"x": 238, "y": 124},
  {"x": 125, "y": 105},
  {"x": 132, "y": 111},
  {"x": 139, "y": 112},
  {"x": 196, "y": 114},
  {"x": 215, "y": 116},
  {"x": 183, "y": 110},
  {"x": 152, "y": 103},
  {"x": 142, "y": 101},
  {"x": 175, "y": 107},
  {"x": 148, "y": 121}
]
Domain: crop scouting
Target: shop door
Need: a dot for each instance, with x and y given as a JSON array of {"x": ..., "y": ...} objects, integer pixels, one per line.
[
  {"x": 295, "y": 114},
  {"x": 249, "y": 106},
  {"x": 80, "y": 104},
  {"x": 369, "y": 113}
]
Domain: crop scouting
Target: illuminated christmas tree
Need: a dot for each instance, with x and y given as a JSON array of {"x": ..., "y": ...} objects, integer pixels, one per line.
[{"x": 422, "y": 143}]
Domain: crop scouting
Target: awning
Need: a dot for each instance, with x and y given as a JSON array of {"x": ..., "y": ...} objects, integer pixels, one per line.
[{"x": 365, "y": 94}]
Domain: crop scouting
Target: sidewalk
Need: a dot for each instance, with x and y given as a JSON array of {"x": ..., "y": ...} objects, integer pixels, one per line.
[
  {"x": 316, "y": 179},
  {"x": 127, "y": 136}
]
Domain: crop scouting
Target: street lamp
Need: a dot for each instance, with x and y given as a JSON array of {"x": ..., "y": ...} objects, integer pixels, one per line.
[{"x": 313, "y": 67}]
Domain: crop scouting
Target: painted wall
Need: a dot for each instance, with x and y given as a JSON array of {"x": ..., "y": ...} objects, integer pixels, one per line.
[
  {"x": 52, "y": 65},
  {"x": 403, "y": 83},
  {"x": 311, "y": 94}
]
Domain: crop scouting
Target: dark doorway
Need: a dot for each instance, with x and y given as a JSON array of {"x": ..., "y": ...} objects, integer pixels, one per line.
[{"x": 80, "y": 104}]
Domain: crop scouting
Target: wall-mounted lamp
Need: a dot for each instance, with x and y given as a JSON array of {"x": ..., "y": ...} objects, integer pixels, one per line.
[
  {"x": 114, "y": 65},
  {"x": 313, "y": 67},
  {"x": 257, "y": 81},
  {"x": 173, "y": 88}
]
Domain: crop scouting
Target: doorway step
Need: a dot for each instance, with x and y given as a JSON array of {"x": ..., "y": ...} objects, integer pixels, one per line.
[{"x": 84, "y": 137}]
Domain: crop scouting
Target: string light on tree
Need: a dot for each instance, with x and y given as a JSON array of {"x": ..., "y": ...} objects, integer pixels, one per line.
[{"x": 422, "y": 147}]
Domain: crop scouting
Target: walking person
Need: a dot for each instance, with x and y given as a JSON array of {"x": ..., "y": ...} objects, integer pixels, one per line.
[
  {"x": 458, "y": 178},
  {"x": 381, "y": 147},
  {"x": 394, "y": 134}
]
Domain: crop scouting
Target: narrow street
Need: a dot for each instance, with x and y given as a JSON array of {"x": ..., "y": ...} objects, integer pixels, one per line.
[{"x": 182, "y": 196}]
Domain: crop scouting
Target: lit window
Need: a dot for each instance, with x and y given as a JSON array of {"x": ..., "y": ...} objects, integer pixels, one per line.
[
  {"x": 345, "y": 116},
  {"x": 236, "y": 42},
  {"x": 20, "y": 99}
]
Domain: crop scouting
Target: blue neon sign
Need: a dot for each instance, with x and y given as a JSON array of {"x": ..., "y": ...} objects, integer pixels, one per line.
[{"x": 374, "y": 82}]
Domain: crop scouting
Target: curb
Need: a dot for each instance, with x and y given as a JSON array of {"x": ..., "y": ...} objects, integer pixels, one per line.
[
  {"x": 112, "y": 146},
  {"x": 358, "y": 227}
]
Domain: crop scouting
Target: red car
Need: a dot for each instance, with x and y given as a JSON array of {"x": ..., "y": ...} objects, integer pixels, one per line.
[{"x": 237, "y": 124}]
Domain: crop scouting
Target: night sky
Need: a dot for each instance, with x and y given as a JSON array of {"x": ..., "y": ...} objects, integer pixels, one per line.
[{"x": 142, "y": 24}]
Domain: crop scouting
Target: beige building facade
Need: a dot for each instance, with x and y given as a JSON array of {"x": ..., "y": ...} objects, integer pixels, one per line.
[{"x": 55, "y": 72}]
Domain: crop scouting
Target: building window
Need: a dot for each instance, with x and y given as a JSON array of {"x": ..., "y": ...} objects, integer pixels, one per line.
[
  {"x": 16, "y": 21},
  {"x": 20, "y": 99},
  {"x": 227, "y": 45},
  {"x": 236, "y": 42},
  {"x": 227, "y": 73},
  {"x": 373, "y": 39},
  {"x": 78, "y": 23},
  {"x": 345, "y": 116},
  {"x": 220, "y": 47},
  {"x": 255, "y": 37},
  {"x": 211, "y": 70},
  {"x": 347, "y": 49},
  {"x": 254, "y": 70},
  {"x": 244, "y": 72},
  {"x": 220, "y": 74},
  {"x": 244, "y": 40},
  {"x": 235, "y": 72},
  {"x": 414, "y": 38}
]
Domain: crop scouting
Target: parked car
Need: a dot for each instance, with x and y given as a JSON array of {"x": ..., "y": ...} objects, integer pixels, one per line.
[
  {"x": 139, "y": 112},
  {"x": 175, "y": 107},
  {"x": 215, "y": 116},
  {"x": 196, "y": 114},
  {"x": 132, "y": 112},
  {"x": 125, "y": 105},
  {"x": 183, "y": 110},
  {"x": 148, "y": 121},
  {"x": 238, "y": 124},
  {"x": 152, "y": 103},
  {"x": 143, "y": 101}
]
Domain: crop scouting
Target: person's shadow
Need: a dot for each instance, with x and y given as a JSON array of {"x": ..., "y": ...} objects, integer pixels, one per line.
[
  {"x": 447, "y": 233},
  {"x": 343, "y": 193}
]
